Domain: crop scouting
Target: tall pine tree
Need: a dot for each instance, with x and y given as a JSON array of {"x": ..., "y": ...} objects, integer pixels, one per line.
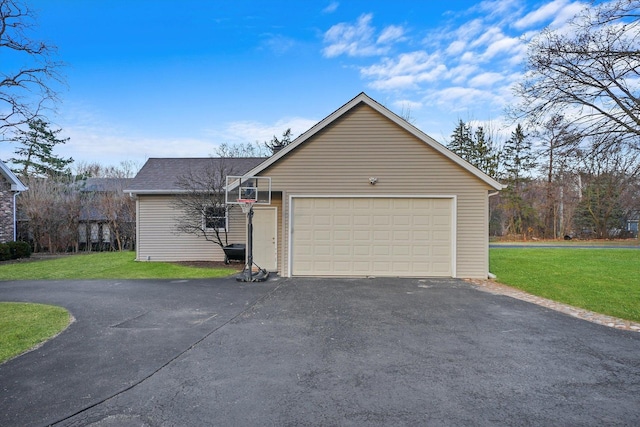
[
  {"x": 34, "y": 156},
  {"x": 518, "y": 160},
  {"x": 475, "y": 147}
]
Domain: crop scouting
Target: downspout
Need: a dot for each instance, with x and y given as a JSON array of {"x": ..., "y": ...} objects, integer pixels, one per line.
[
  {"x": 490, "y": 275},
  {"x": 15, "y": 220}
]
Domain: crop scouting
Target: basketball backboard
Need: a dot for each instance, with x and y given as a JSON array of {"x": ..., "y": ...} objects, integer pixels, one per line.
[{"x": 240, "y": 189}]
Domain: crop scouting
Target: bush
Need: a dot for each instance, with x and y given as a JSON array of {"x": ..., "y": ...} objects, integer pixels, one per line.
[
  {"x": 19, "y": 249},
  {"x": 14, "y": 250},
  {"x": 5, "y": 252}
]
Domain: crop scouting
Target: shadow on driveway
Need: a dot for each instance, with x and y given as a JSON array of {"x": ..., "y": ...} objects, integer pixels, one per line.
[{"x": 315, "y": 352}]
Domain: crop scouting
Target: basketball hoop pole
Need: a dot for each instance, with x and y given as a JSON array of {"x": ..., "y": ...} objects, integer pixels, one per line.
[
  {"x": 247, "y": 273},
  {"x": 248, "y": 265},
  {"x": 246, "y": 191}
]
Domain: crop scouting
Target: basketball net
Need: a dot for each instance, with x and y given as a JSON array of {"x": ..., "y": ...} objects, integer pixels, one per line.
[{"x": 246, "y": 205}]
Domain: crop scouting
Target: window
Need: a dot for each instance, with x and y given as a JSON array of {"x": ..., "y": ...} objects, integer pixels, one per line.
[{"x": 215, "y": 217}]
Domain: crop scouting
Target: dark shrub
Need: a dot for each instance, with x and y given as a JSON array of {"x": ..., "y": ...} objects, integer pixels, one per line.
[
  {"x": 19, "y": 249},
  {"x": 5, "y": 252}
]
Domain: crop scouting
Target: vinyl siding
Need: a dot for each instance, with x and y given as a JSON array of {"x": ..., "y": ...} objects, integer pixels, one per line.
[
  {"x": 158, "y": 239},
  {"x": 362, "y": 143}
]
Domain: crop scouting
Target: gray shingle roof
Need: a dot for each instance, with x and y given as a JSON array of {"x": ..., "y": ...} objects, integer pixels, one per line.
[
  {"x": 162, "y": 175},
  {"x": 105, "y": 184}
]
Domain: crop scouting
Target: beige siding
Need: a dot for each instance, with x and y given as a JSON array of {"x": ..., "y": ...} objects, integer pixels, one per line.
[
  {"x": 340, "y": 159},
  {"x": 158, "y": 239}
]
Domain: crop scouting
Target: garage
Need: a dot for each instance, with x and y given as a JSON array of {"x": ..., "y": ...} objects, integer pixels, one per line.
[{"x": 372, "y": 236}]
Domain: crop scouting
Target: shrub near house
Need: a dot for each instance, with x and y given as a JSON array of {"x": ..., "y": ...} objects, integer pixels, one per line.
[{"x": 14, "y": 250}]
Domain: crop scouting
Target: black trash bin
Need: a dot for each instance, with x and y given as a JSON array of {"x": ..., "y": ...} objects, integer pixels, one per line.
[{"x": 235, "y": 252}]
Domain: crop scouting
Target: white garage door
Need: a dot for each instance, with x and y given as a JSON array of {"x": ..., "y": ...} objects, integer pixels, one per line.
[{"x": 372, "y": 237}]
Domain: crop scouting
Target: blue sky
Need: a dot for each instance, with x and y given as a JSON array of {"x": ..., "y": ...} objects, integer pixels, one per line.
[{"x": 160, "y": 78}]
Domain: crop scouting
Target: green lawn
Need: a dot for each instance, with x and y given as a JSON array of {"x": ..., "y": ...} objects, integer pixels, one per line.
[
  {"x": 105, "y": 265},
  {"x": 25, "y": 325},
  {"x": 606, "y": 281}
]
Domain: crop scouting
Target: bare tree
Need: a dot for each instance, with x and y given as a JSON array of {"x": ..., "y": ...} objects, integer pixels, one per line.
[
  {"x": 241, "y": 150},
  {"x": 589, "y": 72},
  {"x": 51, "y": 208},
  {"x": 202, "y": 201},
  {"x": 28, "y": 67},
  {"x": 105, "y": 203},
  {"x": 608, "y": 191},
  {"x": 558, "y": 140}
]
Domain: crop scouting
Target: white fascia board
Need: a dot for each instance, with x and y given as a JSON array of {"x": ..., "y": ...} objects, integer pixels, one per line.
[{"x": 16, "y": 184}]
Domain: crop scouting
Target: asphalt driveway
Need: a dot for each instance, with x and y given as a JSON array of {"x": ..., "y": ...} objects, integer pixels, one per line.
[{"x": 315, "y": 352}]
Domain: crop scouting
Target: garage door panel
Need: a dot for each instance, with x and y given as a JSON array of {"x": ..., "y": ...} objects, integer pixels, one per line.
[
  {"x": 360, "y": 220},
  {"x": 371, "y": 236},
  {"x": 362, "y": 235},
  {"x": 342, "y": 235},
  {"x": 362, "y": 250},
  {"x": 342, "y": 220}
]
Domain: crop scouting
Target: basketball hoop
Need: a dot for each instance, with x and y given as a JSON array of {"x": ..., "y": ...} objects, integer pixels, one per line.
[
  {"x": 246, "y": 204},
  {"x": 247, "y": 191}
]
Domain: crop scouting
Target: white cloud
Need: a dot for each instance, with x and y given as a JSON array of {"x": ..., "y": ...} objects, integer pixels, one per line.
[
  {"x": 102, "y": 145},
  {"x": 567, "y": 14},
  {"x": 278, "y": 43},
  {"x": 502, "y": 46},
  {"x": 543, "y": 14},
  {"x": 252, "y": 131},
  {"x": 405, "y": 71},
  {"x": 467, "y": 64},
  {"x": 486, "y": 79},
  {"x": 459, "y": 98},
  {"x": 460, "y": 74},
  {"x": 406, "y": 63},
  {"x": 456, "y": 47},
  {"x": 359, "y": 39},
  {"x": 391, "y": 34},
  {"x": 332, "y": 7},
  {"x": 406, "y": 104}
]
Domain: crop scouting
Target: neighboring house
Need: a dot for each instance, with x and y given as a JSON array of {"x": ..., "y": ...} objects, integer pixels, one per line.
[
  {"x": 361, "y": 193},
  {"x": 106, "y": 220},
  {"x": 10, "y": 187}
]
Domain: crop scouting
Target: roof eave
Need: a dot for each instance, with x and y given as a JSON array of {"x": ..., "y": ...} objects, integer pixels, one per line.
[
  {"x": 161, "y": 192},
  {"x": 16, "y": 184}
]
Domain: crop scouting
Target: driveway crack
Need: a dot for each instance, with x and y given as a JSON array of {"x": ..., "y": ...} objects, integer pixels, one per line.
[{"x": 247, "y": 308}]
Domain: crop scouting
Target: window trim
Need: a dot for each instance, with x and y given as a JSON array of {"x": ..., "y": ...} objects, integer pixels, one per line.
[{"x": 205, "y": 221}]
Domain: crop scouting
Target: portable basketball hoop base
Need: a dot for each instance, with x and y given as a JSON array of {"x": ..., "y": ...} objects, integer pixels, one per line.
[{"x": 247, "y": 274}]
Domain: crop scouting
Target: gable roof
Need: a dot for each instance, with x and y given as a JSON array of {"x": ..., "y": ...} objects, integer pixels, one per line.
[
  {"x": 365, "y": 99},
  {"x": 162, "y": 175},
  {"x": 16, "y": 184}
]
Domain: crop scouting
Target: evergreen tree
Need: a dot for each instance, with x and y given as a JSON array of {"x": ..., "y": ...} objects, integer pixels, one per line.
[
  {"x": 461, "y": 141},
  {"x": 518, "y": 160},
  {"x": 276, "y": 144},
  {"x": 484, "y": 156},
  {"x": 35, "y": 152},
  {"x": 475, "y": 147}
]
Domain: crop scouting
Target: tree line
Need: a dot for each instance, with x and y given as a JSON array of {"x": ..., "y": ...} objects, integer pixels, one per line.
[{"x": 571, "y": 164}]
